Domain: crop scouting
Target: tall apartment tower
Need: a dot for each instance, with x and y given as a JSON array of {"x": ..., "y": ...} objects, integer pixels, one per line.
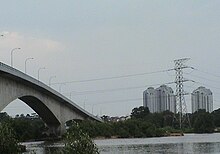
[
  {"x": 160, "y": 99},
  {"x": 202, "y": 98}
]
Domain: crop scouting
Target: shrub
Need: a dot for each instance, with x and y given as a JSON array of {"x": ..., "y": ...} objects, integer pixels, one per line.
[
  {"x": 8, "y": 142},
  {"x": 78, "y": 142}
]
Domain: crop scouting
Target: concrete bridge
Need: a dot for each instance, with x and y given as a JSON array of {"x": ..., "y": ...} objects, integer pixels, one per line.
[{"x": 54, "y": 108}]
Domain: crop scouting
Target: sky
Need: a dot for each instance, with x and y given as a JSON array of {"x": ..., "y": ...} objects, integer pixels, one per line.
[{"x": 79, "y": 40}]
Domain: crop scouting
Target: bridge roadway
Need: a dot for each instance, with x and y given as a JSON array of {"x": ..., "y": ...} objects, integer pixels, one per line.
[{"x": 54, "y": 108}]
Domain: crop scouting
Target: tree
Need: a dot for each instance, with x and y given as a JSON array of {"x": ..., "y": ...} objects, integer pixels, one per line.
[
  {"x": 204, "y": 122},
  {"x": 27, "y": 129},
  {"x": 140, "y": 113},
  {"x": 216, "y": 116},
  {"x": 78, "y": 142},
  {"x": 8, "y": 142},
  {"x": 168, "y": 118},
  {"x": 4, "y": 117}
]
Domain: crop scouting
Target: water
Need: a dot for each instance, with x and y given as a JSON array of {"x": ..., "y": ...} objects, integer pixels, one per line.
[{"x": 189, "y": 144}]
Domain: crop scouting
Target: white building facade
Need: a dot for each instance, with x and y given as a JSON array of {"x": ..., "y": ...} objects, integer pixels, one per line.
[
  {"x": 160, "y": 99},
  {"x": 202, "y": 98}
]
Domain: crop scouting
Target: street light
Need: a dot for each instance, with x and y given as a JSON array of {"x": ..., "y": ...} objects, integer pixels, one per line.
[
  {"x": 61, "y": 86},
  {"x": 38, "y": 74},
  {"x": 51, "y": 79},
  {"x": 25, "y": 65},
  {"x": 84, "y": 104},
  {"x": 12, "y": 55},
  {"x": 92, "y": 107}
]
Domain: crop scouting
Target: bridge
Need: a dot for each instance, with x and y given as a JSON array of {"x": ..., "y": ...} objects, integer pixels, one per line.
[{"x": 54, "y": 108}]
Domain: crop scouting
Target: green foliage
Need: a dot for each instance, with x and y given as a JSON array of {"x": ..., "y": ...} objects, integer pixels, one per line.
[
  {"x": 8, "y": 142},
  {"x": 96, "y": 129},
  {"x": 168, "y": 118},
  {"x": 4, "y": 117},
  {"x": 27, "y": 129},
  {"x": 132, "y": 128},
  {"x": 140, "y": 112},
  {"x": 216, "y": 116},
  {"x": 142, "y": 124},
  {"x": 203, "y": 122},
  {"x": 78, "y": 142}
]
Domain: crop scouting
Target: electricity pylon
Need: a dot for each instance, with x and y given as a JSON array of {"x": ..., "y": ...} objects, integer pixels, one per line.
[{"x": 181, "y": 107}]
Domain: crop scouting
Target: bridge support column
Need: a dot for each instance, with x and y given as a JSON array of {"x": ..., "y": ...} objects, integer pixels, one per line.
[
  {"x": 53, "y": 130},
  {"x": 56, "y": 130},
  {"x": 62, "y": 129}
]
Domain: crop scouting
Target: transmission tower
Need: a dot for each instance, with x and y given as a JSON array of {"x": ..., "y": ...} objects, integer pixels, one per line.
[{"x": 181, "y": 108}]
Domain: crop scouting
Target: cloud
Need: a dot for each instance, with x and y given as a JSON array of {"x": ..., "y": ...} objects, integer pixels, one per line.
[
  {"x": 15, "y": 39},
  {"x": 39, "y": 48}
]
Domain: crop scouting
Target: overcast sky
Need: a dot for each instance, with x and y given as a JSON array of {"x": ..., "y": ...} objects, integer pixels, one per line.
[{"x": 90, "y": 39}]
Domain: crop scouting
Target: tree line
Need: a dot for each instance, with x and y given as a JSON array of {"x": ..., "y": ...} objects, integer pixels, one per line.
[
  {"x": 141, "y": 124},
  {"x": 23, "y": 128},
  {"x": 145, "y": 124}
]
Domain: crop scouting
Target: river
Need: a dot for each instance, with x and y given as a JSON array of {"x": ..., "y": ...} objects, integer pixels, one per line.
[{"x": 189, "y": 144}]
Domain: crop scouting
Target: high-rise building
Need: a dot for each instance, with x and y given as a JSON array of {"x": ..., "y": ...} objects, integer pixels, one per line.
[
  {"x": 160, "y": 99},
  {"x": 202, "y": 98}
]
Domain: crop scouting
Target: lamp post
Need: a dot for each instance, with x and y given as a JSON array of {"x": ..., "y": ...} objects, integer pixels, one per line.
[
  {"x": 84, "y": 104},
  {"x": 25, "y": 65},
  {"x": 92, "y": 107},
  {"x": 12, "y": 51},
  {"x": 51, "y": 79},
  {"x": 61, "y": 86},
  {"x": 38, "y": 74}
]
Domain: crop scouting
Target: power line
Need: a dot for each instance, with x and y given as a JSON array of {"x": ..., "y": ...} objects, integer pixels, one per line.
[
  {"x": 115, "y": 89},
  {"x": 207, "y": 85},
  {"x": 197, "y": 76},
  {"x": 203, "y": 84},
  {"x": 113, "y": 77},
  {"x": 207, "y": 73},
  {"x": 131, "y": 99},
  {"x": 116, "y": 101}
]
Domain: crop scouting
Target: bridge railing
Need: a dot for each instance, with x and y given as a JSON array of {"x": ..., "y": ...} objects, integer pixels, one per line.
[{"x": 6, "y": 66}]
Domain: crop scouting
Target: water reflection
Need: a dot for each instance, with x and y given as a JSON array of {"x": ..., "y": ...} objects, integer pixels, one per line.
[
  {"x": 180, "y": 148},
  {"x": 206, "y": 147},
  {"x": 43, "y": 147},
  {"x": 190, "y": 144}
]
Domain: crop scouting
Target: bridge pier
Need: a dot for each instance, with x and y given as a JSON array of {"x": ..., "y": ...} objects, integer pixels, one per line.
[
  {"x": 53, "y": 130},
  {"x": 56, "y": 130}
]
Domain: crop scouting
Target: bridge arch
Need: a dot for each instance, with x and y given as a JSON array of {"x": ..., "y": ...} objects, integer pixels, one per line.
[
  {"x": 54, "y": 108},
  {"x": 40, "y": 108}
]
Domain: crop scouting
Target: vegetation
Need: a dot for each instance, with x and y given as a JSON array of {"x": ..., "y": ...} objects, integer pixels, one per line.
[
  {"x": 8, "y": 142},
  {"x": 25, "y": 127},
  {"x": 216, "y": 117},
  {"x": 203, "y": 122},
  {"x": 145, "y": 124},
  {"x": 28, "y": 128},
  {"x": 141, "y": 123},
  {"x": 78, "y": 142}
]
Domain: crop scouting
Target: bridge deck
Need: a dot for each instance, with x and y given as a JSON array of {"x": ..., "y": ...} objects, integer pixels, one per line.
[{"x": 30, "y": 81}]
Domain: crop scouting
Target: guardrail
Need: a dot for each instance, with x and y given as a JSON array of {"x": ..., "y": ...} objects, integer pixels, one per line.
[{"x": 6, "y": 66}]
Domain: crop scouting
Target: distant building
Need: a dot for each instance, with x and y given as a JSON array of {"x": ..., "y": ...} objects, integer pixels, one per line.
[
  {"x": 202, "y": 98},
  {"x": 114, "y": 119},
  {"x": 160, "y": 99}
]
